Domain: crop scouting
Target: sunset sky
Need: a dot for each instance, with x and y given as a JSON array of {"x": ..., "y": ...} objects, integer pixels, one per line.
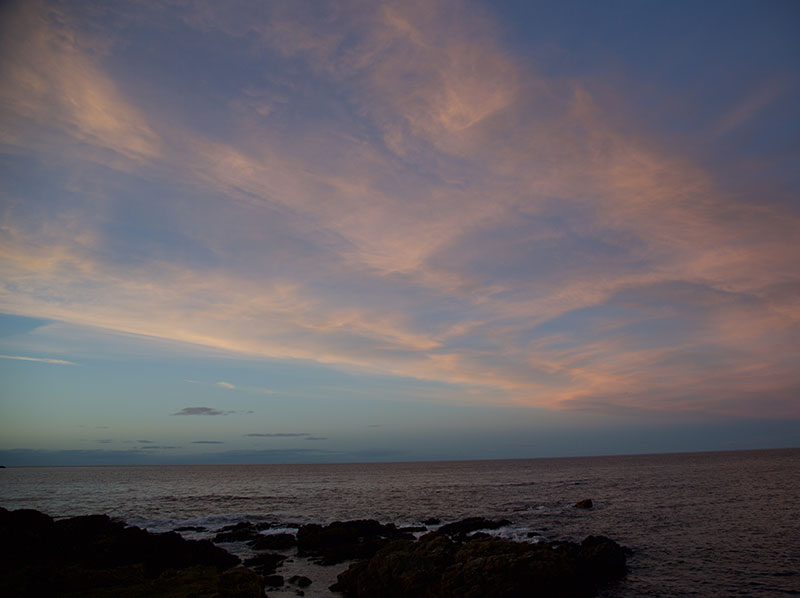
[{"x": 289, "y": 231}]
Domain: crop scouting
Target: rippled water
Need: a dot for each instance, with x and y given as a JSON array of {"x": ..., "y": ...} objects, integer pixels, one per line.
[{"x": 705, "y": 524}]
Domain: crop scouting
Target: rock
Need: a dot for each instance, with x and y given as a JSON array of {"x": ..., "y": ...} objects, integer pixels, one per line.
[
  {"x": 432, "y": 521},
  {"x": 410, "y": 529},
  {"x": 435, "y": 565},
  {"x": 238, "y": 583},
  {"x": 460, "y": 529},
  {"x": 345, "y": 540},
  {"x": 300, "y": 581},
  {"x": 273, "y": 542},
  {"x": 265, "y": 563},
  {"x": 241, "y": 532},
  {"x": 584, "y": 504},
  {"x": 190, "y": 528},
  {"x": 97, "y": 555},
  {"x": 101, "y": 541},
  {"x": 605, "y": 559},
  {"x": 273, "y": 581}
]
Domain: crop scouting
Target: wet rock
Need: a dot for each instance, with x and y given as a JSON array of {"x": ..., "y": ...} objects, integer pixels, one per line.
[
  {"x": 241, "y": 532},
  {"x": 410, "y": 529},
  {"x": 300, "y": 581},
  {"x": 190, "y": 528},
  {"x": 461, "y": 529},
  {"x": 436, "y": 565},
  {"x": 345, "y": 540},
  {"x": 265, "y": 563},
  {"x": 273, "y": 542},
  {"x": 273, "y": 581},
  {"x": 584, "y": 504},
  {"x": 604, "y": 559}
]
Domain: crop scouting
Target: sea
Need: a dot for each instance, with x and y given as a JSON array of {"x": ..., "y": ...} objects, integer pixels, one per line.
[{"x": 697, "y": 524}]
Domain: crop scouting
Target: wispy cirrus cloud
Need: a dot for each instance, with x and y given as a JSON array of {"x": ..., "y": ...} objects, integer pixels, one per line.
[
  {"x": 49, "y": 78},
  {"x": 449, "y": 214},
  {"x": 38, "y": 359}
]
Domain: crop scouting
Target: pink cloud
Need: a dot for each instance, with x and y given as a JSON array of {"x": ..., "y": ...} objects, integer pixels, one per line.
[{"x": 451, "y": 202}]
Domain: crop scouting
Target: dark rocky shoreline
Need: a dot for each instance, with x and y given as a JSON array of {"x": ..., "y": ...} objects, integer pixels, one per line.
[{"x": 96, "y": 556}]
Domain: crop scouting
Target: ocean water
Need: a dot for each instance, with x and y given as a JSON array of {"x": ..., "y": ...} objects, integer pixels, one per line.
[{"x": 700, "y": 524}]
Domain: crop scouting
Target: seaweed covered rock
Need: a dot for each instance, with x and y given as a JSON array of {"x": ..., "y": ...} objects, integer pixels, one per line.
[
  {"x": 344, "y": 540},
  {"x": 95, "y": 555},
  {"x": 436, "y": 566}
]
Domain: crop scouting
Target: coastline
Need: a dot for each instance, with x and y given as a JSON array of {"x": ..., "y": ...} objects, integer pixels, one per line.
[{"x": 95, "y": 555}]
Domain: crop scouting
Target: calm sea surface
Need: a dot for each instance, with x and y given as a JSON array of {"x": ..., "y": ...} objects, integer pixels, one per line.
[{"x": 704, "y": 524}]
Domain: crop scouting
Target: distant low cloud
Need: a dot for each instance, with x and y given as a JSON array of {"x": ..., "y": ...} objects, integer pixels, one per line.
[
  {"x": 38, "y": 359},
  {"x": 200, "y": 411},
  {"x": 207, "y": 442},
  {"x": 278, "y": 435},
  {"x": 316, "y": 438},
  {"x": 145, "y": 441},
  {"x": 155, "y": 446}
]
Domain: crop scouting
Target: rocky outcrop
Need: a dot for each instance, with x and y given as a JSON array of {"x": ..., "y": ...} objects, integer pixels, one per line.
[
  {"x": 273, "y": 542},
  {"x": 437, "y": 566},
  {"x": 461, "y": 529},
  {"x": 190, "y": 528},
  {"x": 584, "y": 504},
  {"x": 273, "y": 581},
  {"x": 240, "y": 532},
  {"x": 94, "y": 553},
  {"x": 266, "y": 563},
  {"x": 301, "y": 581},
  {"x": 345, "y": 540}
]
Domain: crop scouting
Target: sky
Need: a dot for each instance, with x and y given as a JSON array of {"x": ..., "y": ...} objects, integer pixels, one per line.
[{"x": 281, "y": 231}]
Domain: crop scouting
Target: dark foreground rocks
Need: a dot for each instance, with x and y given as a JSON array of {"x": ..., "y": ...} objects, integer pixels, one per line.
[
  {"x": 346, "y": 540},
  {"x": 98, "y": 557},
  {"x": 437, "y": 566},
  {"x": 95, "y": 556}
]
